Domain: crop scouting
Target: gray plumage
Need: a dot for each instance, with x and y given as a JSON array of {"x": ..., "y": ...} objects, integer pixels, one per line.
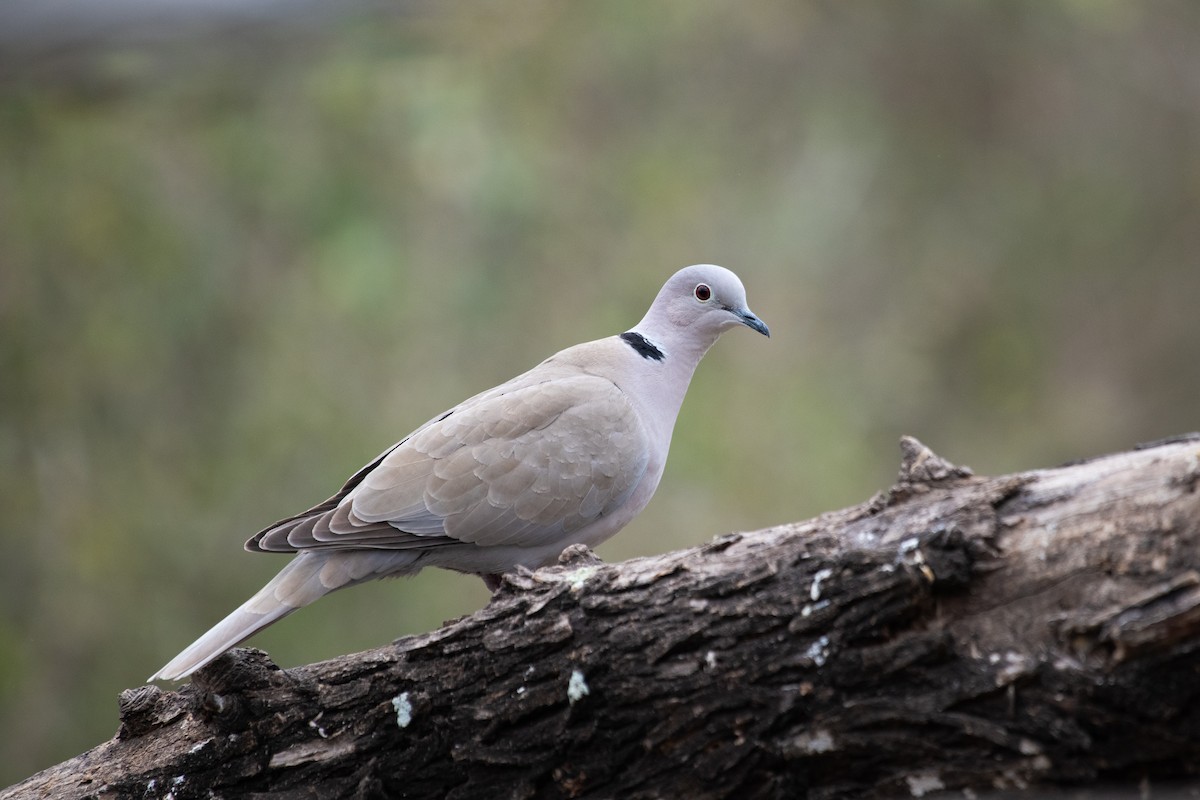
[{"x": 568, "y": 452}]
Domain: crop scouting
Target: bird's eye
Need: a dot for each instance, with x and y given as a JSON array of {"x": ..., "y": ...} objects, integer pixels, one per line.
[{"x": 702, "y": 292}]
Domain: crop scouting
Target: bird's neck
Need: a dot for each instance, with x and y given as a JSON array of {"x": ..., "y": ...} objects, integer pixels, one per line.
[
  {"x": 677, "y": 349},
  {"x": 668, "y": 360}
]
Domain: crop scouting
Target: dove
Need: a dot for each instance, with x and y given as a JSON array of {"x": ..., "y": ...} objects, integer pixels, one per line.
[{"x": 566, "y": 453}]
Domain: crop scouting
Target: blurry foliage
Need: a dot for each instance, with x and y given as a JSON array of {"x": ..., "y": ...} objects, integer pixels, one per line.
[{"x": 230, "y": 275}]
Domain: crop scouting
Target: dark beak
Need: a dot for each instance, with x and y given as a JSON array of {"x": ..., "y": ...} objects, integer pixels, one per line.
[{"x": 750, "y": 321}]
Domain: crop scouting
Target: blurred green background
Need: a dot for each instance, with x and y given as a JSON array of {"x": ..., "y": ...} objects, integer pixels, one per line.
[{"x": 240, "y": 257}]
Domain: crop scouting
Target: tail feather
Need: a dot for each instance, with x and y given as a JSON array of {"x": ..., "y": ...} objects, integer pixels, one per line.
[
  {"x": 235, "y": 628},
  {"x": 308, "y": 577}
]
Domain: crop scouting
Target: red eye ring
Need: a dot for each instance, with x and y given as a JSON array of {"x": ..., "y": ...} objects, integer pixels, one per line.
[{"x": 702, "y": 292}]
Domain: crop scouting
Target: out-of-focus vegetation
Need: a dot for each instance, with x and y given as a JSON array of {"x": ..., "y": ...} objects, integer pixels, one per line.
[{"x": 233, "y": 269}]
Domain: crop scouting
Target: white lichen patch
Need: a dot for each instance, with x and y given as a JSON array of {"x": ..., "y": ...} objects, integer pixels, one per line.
[
  {"x": 578, "y": 577},
  {"x": 818, "y": 651},
  {"x": 176, "y": 782},
  {"x": 809, "y": 608},
  {"x": 819, "y": 741},
  {"x": 922, "y": 784},
  {"x": 814, "y": 591},
  {"x": 404, "y": 709},
  {"x": 577, "y": 687},
  {"x": 1028, "y": 747},
  {"x": 1016, "y": 666},
  {"x": 710, "y": 659}
]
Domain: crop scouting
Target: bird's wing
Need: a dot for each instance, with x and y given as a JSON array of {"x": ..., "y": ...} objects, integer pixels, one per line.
[{"x": 519, "y": 466}]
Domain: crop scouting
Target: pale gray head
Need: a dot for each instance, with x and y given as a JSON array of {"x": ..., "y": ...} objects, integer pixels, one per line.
[{"x": 698, "y": 303}]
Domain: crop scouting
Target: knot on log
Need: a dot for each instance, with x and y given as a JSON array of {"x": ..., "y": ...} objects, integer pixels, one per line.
[
  {"x": 238, "y": 670},
  {"x": 144, "y": 708},
  {"x": 921, "y": 466},
  {"x": 579, "y": 555}
]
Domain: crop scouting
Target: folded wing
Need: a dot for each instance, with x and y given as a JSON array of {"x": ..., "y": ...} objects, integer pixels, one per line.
[{"x": 521, "y": 466}]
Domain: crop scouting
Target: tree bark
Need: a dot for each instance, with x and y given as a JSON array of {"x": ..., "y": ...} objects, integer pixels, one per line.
[{"x": 955, "y": 631}]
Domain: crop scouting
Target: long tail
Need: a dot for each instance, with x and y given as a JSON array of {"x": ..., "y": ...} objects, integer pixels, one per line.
[{"x": 306, "y": 578}]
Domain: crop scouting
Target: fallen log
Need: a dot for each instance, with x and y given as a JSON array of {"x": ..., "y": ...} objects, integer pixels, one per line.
[{"x": 953, "y": 632}]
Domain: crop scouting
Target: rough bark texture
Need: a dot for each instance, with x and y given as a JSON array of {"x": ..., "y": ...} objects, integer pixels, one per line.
[{"x": 955, "y": 631}]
